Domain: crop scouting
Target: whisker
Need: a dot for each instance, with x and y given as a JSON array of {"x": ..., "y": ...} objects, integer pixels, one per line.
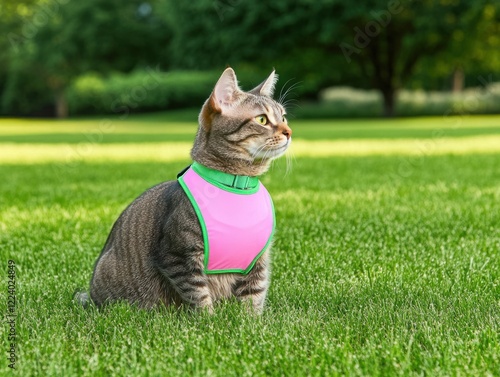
[
  {"x": 265, "y": 156},
  {"x": 288, "y": 166},
  {"x": 282, "y": 96},
  {"x": 258, "y": 150},
  {"x": 290, "y": 100},
  {"x": 288, "y": 91},
  {"x": 290, "y": 88},
  {"x": 254, "y": 155},
  {"x": 289, "y": 160},
  {"x": 291, "y": 103}
]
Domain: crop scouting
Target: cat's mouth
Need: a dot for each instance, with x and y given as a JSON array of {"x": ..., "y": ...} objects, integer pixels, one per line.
[
  {"x": 271, "y": 151},
  {"x": 282, "y": 149}
]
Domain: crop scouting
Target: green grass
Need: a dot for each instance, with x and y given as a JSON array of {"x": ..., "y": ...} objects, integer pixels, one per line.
[
  {"x": 386, "y": 260},
  {"x": 181, "y": 127}
]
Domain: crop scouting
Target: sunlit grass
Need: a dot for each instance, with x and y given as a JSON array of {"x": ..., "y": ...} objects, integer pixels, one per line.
[
  {"x": 386, "y": 260},
  {"x": 165, "y": 127},
  {"x": 87, "y": 151}
]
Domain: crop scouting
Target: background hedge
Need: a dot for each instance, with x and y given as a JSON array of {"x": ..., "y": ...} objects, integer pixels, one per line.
[{"x": 151, "y": 90}]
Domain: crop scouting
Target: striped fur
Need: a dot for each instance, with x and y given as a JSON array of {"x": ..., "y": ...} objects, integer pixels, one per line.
[{"x": 154, "y": 253}]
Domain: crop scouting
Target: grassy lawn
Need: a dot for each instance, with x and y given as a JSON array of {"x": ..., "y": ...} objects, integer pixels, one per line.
[{"x": 386, "y": 260}]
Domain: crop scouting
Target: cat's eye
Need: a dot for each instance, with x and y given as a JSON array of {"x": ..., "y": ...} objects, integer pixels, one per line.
[
  {"x": 261, "y": 119},
  {"x": 284, "y": 119}
]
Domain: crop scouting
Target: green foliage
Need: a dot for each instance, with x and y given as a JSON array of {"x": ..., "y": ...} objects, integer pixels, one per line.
[
  {"x": 60, "y": 40},
  {"x": 475, "y": 51},
  {"x": 470, "y": 101},
  {"x": 11, "y": 24},
  {"x": 150, "y": 90},
  {"x": 280, "y": 34},
  {"x": 119, "y": 37},
  {"x": 375, "y": 44},
  {"x": 374, "y": 274},
  {"x": 348, "y": 102},
  {"x": 24, "y": 93},
  {"x": 139, "y": 91}
]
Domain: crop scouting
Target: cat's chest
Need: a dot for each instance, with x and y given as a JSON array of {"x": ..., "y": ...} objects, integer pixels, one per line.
[{"x": 237, "y": 224}]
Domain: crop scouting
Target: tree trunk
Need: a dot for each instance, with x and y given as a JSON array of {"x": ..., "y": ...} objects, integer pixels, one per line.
[
  {"x": 388, "y": 94},
  {"x": 61, "y": 104},
  {"x": 458, "y": 80}
]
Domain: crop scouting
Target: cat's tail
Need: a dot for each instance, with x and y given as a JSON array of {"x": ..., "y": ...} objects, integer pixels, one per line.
[{"x": 82, "y": 298}]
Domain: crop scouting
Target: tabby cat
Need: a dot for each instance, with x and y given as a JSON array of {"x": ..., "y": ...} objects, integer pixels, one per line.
[{"x": 155, "y": 253}]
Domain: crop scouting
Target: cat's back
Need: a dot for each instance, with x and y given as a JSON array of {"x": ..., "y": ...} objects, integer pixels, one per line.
[
  {"x": 126, "y": 267},
  {"x": 148, "y": 212}
]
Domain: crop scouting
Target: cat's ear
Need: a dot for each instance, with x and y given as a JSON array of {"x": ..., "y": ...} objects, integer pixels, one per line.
[
  {"x": 224, "y": 96},
  {"x": 266, "y": 88},
  {"x": 226, "y": 91}
]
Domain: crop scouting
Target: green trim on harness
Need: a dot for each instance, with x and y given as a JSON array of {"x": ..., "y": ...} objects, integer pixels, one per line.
[{"x": 238, "y": 184}]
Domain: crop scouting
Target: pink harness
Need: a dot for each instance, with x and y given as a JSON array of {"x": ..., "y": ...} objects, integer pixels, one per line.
[{"x": 236, "y": 215}]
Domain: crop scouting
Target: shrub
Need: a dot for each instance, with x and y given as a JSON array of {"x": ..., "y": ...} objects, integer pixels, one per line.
[
  {"x": 152, "y": 90},
  {"x": 340, "y": 102},
  {"x": 470, "y": 101},
  {"x": 139, "y": 91}
]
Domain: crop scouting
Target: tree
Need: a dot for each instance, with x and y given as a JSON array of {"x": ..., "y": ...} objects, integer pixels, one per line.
[
  {"x": 96, "y": 35},
  {"x": 375, "y": 43},
  {"x": 11, "y": 24},
  {"x": 473, "y": 55}
]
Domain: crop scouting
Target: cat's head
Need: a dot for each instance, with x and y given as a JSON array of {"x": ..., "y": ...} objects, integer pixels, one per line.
[{"x": 241, "y": 132}]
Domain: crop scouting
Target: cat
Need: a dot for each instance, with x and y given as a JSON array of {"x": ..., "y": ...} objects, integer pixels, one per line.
[{"x": 155, "y": 252}]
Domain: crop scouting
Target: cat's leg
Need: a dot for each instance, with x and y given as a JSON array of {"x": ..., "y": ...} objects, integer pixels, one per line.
[
  {"x": 186, "y": 275},
  {"x": 251, "y": 289}
]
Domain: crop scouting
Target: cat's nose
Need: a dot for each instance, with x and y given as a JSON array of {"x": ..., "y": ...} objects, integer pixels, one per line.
[{"x": 287, "y": 131}]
